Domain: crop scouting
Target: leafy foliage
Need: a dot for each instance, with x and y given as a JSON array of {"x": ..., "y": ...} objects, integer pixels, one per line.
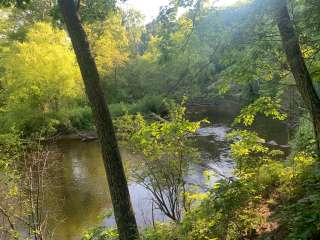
[
  {"x": 204, "y": 53},
  {"x": 109, "y": 43},
  {"x": 100, "y": 233},
  {"x": 166, "y": 154},
  {"x": 36, "y": 84},
  {"x": 264, "y": 105}
]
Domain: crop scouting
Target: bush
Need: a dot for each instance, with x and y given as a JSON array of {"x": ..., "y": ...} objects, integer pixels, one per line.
[
  {"x": 29, "y": 122},
  {"x": 155, "y": 104},
  {"x": 166, "y": 152},
  {"x": 118, "y": 109},
  {"x": 304, "y": 137},
  {"x": 81, "y": 118},
  {"x": 148, "y": 104},
  {"x": 300, "y": 201},
  {"x": 270, "y": 174},
  {"x": 162, "y": 231},
  {"x": 100, "y": 233}
]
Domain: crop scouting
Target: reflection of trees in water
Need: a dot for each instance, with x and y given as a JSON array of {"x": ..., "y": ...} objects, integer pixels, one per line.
[{"x": 83, "y": 188}]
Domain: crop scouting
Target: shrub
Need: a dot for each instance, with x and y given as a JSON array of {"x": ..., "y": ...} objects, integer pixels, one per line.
[
  {"x": 161, "y": 231},
  {"x": 166, "y": 150},
  {"x": 81, "y": 118},
  {"x": 304, "y": 137},
  {"x": 148, "y": 104},
  {"x": 155, "y": 104},
  {"x": 300, "y": 202},
  {"x": 100, "y": 233}
]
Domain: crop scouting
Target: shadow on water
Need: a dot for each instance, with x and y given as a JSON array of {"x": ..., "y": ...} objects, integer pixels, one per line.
[{"x": 83, "y": 194}]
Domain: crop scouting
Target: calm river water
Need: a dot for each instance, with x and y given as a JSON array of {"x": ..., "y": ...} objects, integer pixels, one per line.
[{"x": 81, "y": 195}]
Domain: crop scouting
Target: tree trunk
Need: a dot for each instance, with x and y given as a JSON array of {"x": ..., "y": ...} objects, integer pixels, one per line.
[
  {"x": 118, "y": 186},
  {"x": 298, "y": 66}
]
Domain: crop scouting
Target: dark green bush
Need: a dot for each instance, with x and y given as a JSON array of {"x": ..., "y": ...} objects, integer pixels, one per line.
[
  {"x": 81, "y": 118},
  {"x": 304, "y": 137},
  {"x": 148, "y": 104}
]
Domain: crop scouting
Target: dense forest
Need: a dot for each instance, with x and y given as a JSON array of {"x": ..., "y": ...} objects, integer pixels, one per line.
[{"x": 200, "y": 78}]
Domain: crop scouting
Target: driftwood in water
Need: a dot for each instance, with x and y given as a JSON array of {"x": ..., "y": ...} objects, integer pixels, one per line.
[
  {"x": 82, "y": 136},
  {"x": 157, "y": 117},
  {"x": 87, "y": 136}
]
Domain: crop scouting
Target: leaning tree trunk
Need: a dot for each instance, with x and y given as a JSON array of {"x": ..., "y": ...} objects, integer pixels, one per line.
[
  {"x": 298, "y": 66},
  {"x": 118, "y": 186}
]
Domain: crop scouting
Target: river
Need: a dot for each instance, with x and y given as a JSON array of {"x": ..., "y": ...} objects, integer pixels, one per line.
[{"x": 80, "y": 192}]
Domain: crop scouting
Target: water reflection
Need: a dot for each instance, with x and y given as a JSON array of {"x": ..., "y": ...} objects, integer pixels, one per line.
[{"x": 84, "y": 195}]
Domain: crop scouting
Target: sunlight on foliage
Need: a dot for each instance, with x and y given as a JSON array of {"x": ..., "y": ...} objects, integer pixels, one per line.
[
  {"x": 40, "y": 77},
  {"x": 165, "y": 152},
  {"x": 109, "y": 43},
  {"x": 267, "y": 106}
]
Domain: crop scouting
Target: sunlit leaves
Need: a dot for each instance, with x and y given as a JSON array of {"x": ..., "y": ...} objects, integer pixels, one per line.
[
  {"x": 40, "y": 73},
  {"x": 160, "y": 138},
  {"x": 101, "y": 233},
  {"x": 15, "y": 3},
  {"x": 109, "y": 43},
  {"x": 165, "y": 151},
  {"x": 43, "y": 65},
  {"x": 248, "y": 150},
  {"x": 267, "y": 106}
]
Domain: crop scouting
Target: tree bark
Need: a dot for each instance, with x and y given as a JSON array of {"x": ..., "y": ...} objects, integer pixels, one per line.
[
  {"x": 124, "y": 215},
  {"x": 298, "y": 66}
]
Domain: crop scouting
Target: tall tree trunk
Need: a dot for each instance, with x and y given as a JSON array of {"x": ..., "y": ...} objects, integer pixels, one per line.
[
  {"x": 298, "y": 66},
  {"x": 118, "y": 186}
]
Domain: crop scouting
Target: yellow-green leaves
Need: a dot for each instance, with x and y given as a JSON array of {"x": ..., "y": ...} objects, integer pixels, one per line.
[
  {"x": 267, "y": 106},
  {"x": 161, "y": 137},
  {"x": 109, "y": 43},
  {"x": 40, "y": 75},
  {"x": 248, "y": 150},
  {"x": 165, "y": 152},
  {"x": 42, "y": 69}
]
